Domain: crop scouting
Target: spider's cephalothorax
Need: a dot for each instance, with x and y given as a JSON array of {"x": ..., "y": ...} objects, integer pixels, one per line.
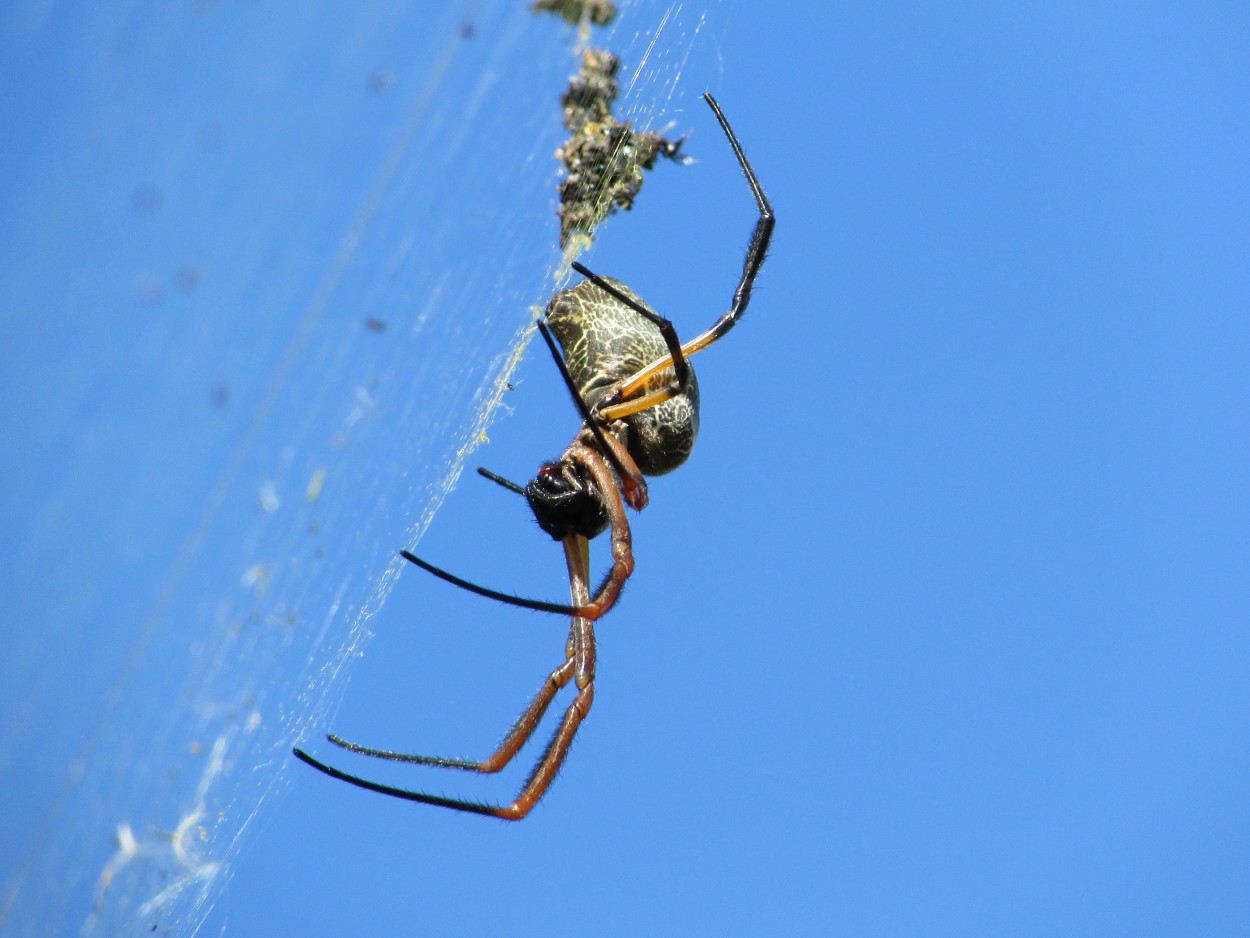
[
  {"x": 632, "y": 383},
  {"x": 565, "y": 501}
]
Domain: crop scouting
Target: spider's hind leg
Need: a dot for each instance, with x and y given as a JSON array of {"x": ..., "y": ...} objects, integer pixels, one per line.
[{"x": 579, "y": 666}]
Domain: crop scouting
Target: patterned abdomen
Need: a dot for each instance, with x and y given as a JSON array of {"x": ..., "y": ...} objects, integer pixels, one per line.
[{"x": 605, "y": 342}]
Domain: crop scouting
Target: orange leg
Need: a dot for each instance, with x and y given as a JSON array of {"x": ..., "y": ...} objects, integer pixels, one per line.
[
  {"x": 579, "y": 667},
  {"x": 633, "y": 485},
  {"x": 622, "y": 550},
  {"x": 622, "y": 539},
  {"x": 517, "y": 737},
  {"x": 757, "y": 249}
]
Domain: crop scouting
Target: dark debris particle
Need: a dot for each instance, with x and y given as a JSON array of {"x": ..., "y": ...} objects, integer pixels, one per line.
[
  {"x": 188, "y": 277},
  {"x": 149, "y": 289},
  {"x": 598, "y": 12},
  {"x": 146, "y": 199}
]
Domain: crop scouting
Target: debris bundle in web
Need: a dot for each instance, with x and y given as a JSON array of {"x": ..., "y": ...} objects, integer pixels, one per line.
[
  {"x": 596, "y": 12},
  {"x": 604, "y": 158}
]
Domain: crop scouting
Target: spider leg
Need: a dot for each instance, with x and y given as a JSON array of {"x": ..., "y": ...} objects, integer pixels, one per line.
[
  {"x": 582, "y": 645},
  {"x": 537, "y": 605},
  {"x": 580, "y": 666},
  {"x": 643, "y": 402},
  {"x": 756, "y": 251},
  {"x": 633, "y": 485},
  {"x": 501, "y": 481},
  {"x": 681, "y": 368},
  {"x": 622, "y": 550},
  {"x": 517, "y": 737},
  {"x": 535, "y": 787},
  {"x": 631, "y": 478},
  {"x": 621, "y": 538}
]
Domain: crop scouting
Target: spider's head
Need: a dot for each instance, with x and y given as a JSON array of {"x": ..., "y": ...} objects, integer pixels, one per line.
[{"x": 566, "y": 501}]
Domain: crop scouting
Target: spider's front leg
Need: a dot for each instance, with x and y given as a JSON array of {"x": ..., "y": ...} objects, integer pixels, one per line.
[
  {"x": 583, "y": 657},
  {"x": 621, "y": 538},
  {"x": 517, "y": 737},
  {"x": 579, "y": 668},
  {"x": 633, "y": 485}
]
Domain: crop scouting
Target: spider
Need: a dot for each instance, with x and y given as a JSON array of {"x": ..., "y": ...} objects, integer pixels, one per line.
[{"x": 631, "y": 380}]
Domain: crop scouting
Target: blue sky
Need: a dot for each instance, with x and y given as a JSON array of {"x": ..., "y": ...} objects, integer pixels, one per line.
[{"x": 942, "y": 629}]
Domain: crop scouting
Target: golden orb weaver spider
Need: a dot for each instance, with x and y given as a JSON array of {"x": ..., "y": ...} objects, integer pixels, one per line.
[{"x": 631, "y": 380}]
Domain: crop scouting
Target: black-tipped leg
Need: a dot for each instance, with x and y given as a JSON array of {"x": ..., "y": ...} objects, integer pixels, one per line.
[
  {"x": 536, "y": 604},
  {"x": 501, "y": 481},
  {"x": 582, "y": 409},
  {"x": 681, "y": 367},
  {"x": 455, "y": 804}
]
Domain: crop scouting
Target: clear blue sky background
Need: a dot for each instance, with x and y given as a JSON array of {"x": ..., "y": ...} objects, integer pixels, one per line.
[{"x": 945, "y": 628}]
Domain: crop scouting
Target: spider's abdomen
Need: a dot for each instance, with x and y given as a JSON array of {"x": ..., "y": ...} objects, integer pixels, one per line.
[{"x": 604, "y": 343}]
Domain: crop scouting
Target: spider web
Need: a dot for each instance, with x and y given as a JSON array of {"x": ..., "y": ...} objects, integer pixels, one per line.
[{"x": 235, "y": 409}]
